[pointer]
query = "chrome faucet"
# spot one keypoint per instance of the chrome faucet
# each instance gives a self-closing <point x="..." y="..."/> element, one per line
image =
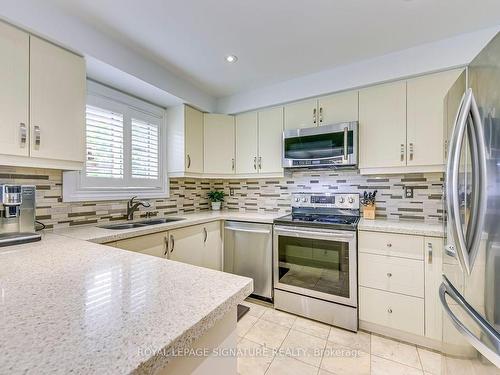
<point x="133" y="205"/>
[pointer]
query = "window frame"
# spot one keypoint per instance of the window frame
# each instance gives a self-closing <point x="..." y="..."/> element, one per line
<point x="77" y="187"/>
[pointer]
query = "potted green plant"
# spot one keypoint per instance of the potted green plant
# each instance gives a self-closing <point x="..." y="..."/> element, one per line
<point x="216" y="197"/>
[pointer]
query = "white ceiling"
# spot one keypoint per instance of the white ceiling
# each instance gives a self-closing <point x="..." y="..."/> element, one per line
<point x="275" y="40"/>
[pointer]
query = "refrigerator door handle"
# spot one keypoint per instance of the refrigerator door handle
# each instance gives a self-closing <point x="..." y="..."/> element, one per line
<point x="486" y="329"/>
<point x="467" y="114"/>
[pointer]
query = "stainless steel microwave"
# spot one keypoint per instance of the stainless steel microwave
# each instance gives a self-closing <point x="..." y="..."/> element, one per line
<point x="333" y="145"/>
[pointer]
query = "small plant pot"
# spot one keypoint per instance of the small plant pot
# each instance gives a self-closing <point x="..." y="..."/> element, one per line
<point x="369" y="212"/>
<point x="216" y="206"/>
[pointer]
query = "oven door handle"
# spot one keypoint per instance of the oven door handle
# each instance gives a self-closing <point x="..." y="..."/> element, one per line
<point x="306" y="233"/>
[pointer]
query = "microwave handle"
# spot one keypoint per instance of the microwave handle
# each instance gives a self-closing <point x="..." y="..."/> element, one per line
<point x="346" y="149"/>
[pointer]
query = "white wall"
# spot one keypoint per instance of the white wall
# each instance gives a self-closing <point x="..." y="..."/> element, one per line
<point x="443" y="54"/>
<point x="51" y="23"/>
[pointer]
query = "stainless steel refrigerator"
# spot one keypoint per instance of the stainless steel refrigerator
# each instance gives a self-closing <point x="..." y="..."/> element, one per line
<point x="470" y="289"/>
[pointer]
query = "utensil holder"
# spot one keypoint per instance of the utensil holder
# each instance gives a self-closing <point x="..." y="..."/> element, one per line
<point x="369" y="212"/>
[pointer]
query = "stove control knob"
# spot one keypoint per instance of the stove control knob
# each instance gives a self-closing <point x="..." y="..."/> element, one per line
<point x="297" y="199"/>
<point x="304" y="199"/>
<point x="351" y="200"/>
<point x="341" y="200"/>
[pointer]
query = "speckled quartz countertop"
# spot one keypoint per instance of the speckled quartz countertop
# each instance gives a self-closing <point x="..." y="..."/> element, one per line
<point x="402" y="227"/>
<point x="72" y="306"/>
<point x="101" y="235"/>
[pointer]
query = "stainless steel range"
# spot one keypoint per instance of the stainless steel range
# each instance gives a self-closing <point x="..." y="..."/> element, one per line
<point x="315" y="259"/>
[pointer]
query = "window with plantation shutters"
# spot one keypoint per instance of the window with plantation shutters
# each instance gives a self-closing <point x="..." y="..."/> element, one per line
<point x="125" y="149"/>
<point x="145" y="149"/>
<point x="104" y="136"/>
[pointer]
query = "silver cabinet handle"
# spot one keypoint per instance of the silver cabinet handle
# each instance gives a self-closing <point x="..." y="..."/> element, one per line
<point x="255" y="163"/>
<point x="429" y="251"/>
<point x="23" y="133"/>
<point x="165" y="253"/>
<point x="314" y="116"/>
<point x="172" y="242"/>
<point x="467" y="247"/>
<point x="402" y="152"/>
<point x="389" y="274"/>
<point x="487" y="331"/>
<point x="389" y="310"/>
<point x="205" y="233"/>
<point x="38" y="137"/>
<point x="411" y="151"/>
<point x="389" y="244"/>
<point x="320" y="115"/>
<point x="189" y="161"/>
<point x="260" y="162"/>
<point x="232" y="164"/>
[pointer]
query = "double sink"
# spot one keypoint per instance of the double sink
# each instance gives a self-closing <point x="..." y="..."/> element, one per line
<point x="141" y="224"/>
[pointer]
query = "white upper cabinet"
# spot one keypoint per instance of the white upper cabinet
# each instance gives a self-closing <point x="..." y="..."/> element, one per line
<point x="270" y="140"/>
<point x="246" y="143"/>
<point x="57" y="102"/>
<point x="382" y="123"/>
<point x="193" y="140"/>
<point x="302" y="114"/>
<point x="342" y="107"/>
<point x="219" y="139"/>
<point x="14" y="89"/>
<point x="427" y="116"/>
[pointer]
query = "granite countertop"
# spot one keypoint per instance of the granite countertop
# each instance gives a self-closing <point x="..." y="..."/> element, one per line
<point x="69" y="305"/>
<point x="100" y="235"/>
<point x="402" y="227"/>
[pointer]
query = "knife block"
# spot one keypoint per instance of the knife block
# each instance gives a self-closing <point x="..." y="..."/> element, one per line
<point x="369" y="212"/>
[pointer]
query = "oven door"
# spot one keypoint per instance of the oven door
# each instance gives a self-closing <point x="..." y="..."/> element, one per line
<point x="327" y="145"/>
<point x="317" y="263"/>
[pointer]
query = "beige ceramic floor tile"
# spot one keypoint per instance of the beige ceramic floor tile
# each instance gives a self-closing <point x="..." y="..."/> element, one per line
<point x="311" y="327"/>
<point x="341" y="360"/>
<point x="431" y="361"/>
<point x="255" y="309"/>
<point x="245" y="324"/>
<point x="253" y="359"/>
<point x="283" y="365"/>
<point x="279" y="317"/>
<point x="395" y="351"/>
<point x="359" y="340"/>
<point x="457" y="366"/>
<point x="267" y="333"/>
<point x="381" y="366"/>
<point x="303" y="347"/>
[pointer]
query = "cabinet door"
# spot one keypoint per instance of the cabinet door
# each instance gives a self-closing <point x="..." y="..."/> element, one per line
<point x="14" y="89"/>
<point x="270" y="140"/>
<point x="57" y="102"/>
<point x="337" y="108"/>
<point x="151" y="244"/>
<point x="185" y="245"/>
<point x="301" y="114"/>
<point x="426" y="117"/>
<point x="212" y="246"/>
<point x="453" y="99"/>
<point x="433" y="248"/>
<point x="218" y="133"/>
<point x="246" y="143"/>
<point x="382" y="122"/>
<point x="193" y="138"/>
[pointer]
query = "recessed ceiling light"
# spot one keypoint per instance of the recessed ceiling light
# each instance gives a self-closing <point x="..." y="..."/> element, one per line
<point x="231" y="58"/>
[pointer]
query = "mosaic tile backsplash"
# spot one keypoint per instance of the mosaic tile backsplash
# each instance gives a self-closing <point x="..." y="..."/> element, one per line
<point x="272" y="195"/>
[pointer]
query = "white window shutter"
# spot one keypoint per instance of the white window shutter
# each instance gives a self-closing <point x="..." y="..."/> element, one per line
<point x="145" y="150"/>
<point x="104" y="136"/>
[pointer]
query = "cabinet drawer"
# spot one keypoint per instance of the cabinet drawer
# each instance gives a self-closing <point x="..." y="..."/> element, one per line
<point x="400" y="245"/>
<point x="392" y="310"/>
<point x="392" y="274"/>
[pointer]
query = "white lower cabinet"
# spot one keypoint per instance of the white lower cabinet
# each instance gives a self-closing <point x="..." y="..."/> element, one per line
<point x="399" y="278"/>
<point x="199" y="245"/>
<point x="151" y="244"/>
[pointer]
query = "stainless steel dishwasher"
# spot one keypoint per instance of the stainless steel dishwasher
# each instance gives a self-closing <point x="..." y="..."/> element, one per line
<point x="248" y="251"/>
